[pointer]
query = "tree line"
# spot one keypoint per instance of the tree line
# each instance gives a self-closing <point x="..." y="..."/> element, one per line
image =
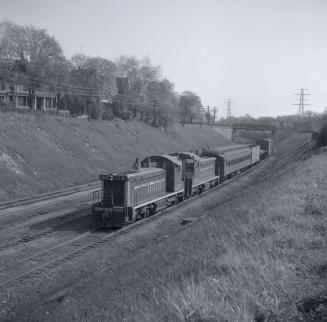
<point x="126" y="87"/>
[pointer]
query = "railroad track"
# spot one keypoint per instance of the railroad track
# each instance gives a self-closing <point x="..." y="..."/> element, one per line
<point x="48" y="195"/>
<point x="8" y="220"/>
<point x="53" y="256"/>
<point x="48" y="258"/>
<point x="56" y="224"/>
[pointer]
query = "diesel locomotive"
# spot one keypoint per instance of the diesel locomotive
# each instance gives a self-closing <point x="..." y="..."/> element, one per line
<point x="159" y="181"/>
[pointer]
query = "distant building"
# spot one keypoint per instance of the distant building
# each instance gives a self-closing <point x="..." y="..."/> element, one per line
<point x="43" y="98"/>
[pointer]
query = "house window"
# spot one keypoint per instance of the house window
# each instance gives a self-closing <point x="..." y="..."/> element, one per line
<point x="48" y="102"/>
<point x="22" y="101"/>
<point x="19" y="88"/>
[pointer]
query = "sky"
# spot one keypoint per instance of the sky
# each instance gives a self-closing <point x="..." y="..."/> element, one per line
<point x="256" y="52"/>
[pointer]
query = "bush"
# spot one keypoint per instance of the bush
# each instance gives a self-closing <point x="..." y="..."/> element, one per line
<point x="94" y="110"/>
<point x="322" y="139"/>
<point x="125" y="115"/>
<point x="108" y="114"/>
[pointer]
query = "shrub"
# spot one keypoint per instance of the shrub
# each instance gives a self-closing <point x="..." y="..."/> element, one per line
<point x="108" y="114"/>
<point x="322" y="139"/>
<point x="94" y="110"/>
<point x="125" y="115"/>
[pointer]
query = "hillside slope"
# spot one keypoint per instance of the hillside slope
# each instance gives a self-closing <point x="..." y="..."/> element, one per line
<point x="42" y="153"/>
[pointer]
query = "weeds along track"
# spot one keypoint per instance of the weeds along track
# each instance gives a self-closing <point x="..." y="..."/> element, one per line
<point x="34" y="264"/>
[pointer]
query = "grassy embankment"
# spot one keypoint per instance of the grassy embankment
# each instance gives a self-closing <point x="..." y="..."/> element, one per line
<point x="262" y="258"/>
<point x="42" y="153"/>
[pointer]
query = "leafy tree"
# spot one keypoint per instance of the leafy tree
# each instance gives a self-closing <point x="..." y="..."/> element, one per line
<point x="9" y="55"/>
<point x="190" y="106"/>
<point x="60" y="78"/>
<point x="135" y="76"/>
<point x="322" y="139"/>
<point x="35" y="52"/>
<point x="94" y="74"/>
<point x="96" y="78"/>
<point x="164" y="101"/>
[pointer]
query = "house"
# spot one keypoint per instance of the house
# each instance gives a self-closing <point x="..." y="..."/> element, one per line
<point x="43" y="98"/>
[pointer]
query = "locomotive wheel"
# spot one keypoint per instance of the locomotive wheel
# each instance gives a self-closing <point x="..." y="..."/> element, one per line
<point x="147" y="213"/>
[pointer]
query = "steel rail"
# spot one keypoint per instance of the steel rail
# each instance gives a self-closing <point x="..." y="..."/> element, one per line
<point x="97" y="239"/>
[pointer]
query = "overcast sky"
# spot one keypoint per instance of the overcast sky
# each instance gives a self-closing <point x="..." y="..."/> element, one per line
<point x="256" y="52"/>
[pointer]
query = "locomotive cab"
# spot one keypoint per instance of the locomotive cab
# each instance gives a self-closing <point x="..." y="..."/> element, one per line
<point x="198" y="172"/>
<point x="173" y="167"/>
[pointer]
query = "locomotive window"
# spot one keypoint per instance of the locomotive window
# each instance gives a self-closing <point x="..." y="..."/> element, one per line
<point x="190" y="166"/>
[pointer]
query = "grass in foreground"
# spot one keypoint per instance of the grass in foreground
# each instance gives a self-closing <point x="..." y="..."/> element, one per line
<point x="262" y="258"/>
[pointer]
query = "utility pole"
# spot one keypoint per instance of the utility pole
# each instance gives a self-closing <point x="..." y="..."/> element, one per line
<point x="153" y="112"/>
<point x="88" y="105"/>
<point x="301" y="103"/>
<point x="202" y="113"/>
<point x="229" y="110"/>
<point x="215" y="110"/>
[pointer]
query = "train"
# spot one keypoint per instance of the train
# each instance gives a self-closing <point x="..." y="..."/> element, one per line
<point x="159" y="181"/>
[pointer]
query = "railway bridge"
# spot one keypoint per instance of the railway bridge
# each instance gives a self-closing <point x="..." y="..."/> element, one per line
<point x="254" y="127"/>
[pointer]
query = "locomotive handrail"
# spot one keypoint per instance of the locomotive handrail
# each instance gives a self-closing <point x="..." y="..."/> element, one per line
<point x="96" y="197"/>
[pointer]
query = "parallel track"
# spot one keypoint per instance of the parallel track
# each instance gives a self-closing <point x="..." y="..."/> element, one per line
<point x="56" y="224"/>
<point x="33" y="264"/>
<point x="49" y="195"/>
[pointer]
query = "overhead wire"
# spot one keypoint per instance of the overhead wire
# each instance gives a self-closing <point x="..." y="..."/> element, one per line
<point x="70" y="89"/>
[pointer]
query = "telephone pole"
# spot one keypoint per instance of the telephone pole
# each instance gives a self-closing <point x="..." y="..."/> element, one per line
<point x="301" y="103"/>
<point x="202" y="113"/>
<point x="215" y="111"/>
<point x="153" y="112"/>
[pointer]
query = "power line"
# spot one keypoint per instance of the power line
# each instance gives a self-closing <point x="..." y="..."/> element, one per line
<point x="41" y="80"/>
<point x="70" y="89"/>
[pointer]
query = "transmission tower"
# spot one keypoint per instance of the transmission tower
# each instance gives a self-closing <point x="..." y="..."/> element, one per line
<point x="229" y="109"/>
<point x="301" y="103"/>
